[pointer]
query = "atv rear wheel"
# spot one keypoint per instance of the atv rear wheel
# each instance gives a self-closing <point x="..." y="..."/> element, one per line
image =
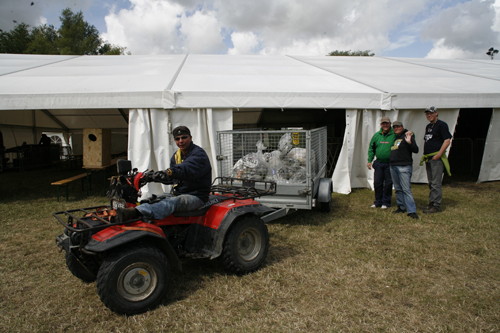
<point x="246" y="245"/>
<point x="77" y="268"/>
<point x="133" y="280"/>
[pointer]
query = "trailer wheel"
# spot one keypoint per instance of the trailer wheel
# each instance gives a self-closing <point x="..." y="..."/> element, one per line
<point x="76" y="268"/>
<point x="325" y="195"/>
<point x="133" y="280"/>
<point x="327" y="206"/>
<point x="246" y="245"/>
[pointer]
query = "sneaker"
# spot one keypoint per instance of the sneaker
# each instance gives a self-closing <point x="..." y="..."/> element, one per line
<point x="373" y="206"/>
<point x="431" y="210"/>
<point x="383" y="207"/>
<point x="399" y="210"/>
<point x="413" y="215"/>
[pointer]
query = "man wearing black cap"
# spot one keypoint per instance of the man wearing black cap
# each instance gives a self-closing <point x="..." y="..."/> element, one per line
<point x="437" y="139"/>
<point x="191" y="173"/>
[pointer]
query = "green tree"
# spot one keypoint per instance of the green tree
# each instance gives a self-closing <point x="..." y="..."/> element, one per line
<point x="43" y="40"/>
<point x="74" y="37"/>
<point x="108" y="49"/>
<point x="359" y="53"/>
<point x="16" y="40"/>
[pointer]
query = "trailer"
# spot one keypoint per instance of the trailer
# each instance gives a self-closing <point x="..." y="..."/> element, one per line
<point x="293" y="158"/>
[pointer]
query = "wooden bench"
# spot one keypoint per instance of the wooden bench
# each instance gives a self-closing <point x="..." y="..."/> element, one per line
<point x="66" y="182"/>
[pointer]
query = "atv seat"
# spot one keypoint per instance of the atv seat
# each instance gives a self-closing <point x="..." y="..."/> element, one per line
<point x="212" y="200"/>
<point x="198" y="212"/>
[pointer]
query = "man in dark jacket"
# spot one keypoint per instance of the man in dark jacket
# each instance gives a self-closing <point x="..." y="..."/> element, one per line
<point x="402" y="169"/>
<point x="437" y="139"/>
<point x="380" y="148"/>
<point x="191" y="173"/>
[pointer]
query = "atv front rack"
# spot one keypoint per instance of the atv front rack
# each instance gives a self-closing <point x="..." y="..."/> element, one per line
<point x="91" y="221"/>
<point x="241" y="189"/>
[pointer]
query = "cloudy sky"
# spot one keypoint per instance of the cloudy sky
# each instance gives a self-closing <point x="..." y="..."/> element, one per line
<point x="393" y="28"/>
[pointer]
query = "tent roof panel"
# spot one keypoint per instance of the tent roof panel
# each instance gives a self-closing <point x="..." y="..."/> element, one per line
<point x="259" y="74"/>
<point x="399" y="76"/>
<point x="247" y="81"/>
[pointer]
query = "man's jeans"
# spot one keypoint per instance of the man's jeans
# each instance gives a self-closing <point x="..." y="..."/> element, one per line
<point x="167" y="206"/>
<point x="435" y="171"/>
<point x="383" y="184"/>
<point x="401" y="177"/>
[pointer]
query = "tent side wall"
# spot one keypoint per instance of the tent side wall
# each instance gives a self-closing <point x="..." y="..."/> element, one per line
<point x="151" y="144"/>
<point x="490" y="166"/>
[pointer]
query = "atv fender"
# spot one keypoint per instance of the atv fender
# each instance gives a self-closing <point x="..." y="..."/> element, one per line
<point x="324" y="190"/>
<point x="228" y="220"/>
<point x="116" y="236"/>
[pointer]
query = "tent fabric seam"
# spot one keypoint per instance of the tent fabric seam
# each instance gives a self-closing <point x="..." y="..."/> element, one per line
<point x="441" y="69"/>
<point x="47" y="64"/>
<point x="172" y="82"/>
<point x="332" y="72"/>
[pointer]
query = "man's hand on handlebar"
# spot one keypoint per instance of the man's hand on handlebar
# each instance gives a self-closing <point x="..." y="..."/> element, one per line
<point x="157" y="177"/>
<point x="160" y="176"/>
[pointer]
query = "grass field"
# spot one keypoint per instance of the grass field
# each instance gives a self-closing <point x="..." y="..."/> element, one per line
<point x="353" y="270"/>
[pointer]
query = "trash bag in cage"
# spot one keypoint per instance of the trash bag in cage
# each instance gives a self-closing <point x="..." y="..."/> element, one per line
<point x="298" y="175"/>
<point x="298" y="157"/>
<point x="274" y="164"/>
<point x="251" y="166"/>
<point x="285" y="144"/>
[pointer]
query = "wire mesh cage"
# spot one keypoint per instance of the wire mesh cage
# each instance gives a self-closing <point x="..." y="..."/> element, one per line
<point x="291" y="156"/>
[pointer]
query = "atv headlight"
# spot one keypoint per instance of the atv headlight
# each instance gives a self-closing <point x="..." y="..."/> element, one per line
<point x="120" y="203"/>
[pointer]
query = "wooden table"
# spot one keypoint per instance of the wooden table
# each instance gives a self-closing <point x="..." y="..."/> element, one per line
<point x="99" y="168"/>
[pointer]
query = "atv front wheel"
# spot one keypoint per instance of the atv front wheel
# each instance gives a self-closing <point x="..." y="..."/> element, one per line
<point x="133" y="280"/>
<point x="246" y="246"/>
<point x="77" y="268"/>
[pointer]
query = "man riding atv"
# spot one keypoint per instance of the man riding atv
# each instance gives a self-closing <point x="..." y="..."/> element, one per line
<point x="191" y="175"/>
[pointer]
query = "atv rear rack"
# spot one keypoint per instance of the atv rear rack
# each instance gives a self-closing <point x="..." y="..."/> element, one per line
<point x="242" y="189"/>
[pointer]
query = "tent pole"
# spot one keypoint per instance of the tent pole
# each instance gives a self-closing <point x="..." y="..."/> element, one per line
<point x="33" y="121"/>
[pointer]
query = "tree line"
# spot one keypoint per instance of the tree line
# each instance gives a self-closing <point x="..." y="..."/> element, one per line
<point x="74" y="37"/>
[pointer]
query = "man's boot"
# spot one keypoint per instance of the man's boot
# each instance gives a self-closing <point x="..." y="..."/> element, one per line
<point x="125" y="214"/>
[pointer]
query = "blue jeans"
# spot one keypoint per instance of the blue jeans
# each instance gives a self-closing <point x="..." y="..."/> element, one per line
<point x="401" y="177"/>
<point x="167" y="206"/>
<point x="383" y="184"/>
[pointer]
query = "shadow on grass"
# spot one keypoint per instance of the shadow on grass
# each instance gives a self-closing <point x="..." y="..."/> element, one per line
<point x="36" y="184"/>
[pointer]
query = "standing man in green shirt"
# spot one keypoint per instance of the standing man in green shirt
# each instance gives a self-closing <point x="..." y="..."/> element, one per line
<point x="380" y="148"/>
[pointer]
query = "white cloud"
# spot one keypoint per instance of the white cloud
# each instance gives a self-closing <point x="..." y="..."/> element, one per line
<point x="149" y="27"/>
<point x="442" y="51"/>
<point x="202" y="33"/>
<point x="316" y="27"/>
<point x="244" y="43"/>
<point x="457" y="28"/>
<point x="463" y="31"/>
<point x="496" y="25"/>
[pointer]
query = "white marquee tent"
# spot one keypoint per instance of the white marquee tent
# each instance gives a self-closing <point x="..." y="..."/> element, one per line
<point x="150" y="94"/>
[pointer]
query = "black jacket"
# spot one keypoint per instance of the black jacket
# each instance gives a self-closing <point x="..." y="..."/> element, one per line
<point x="401" y="150"/>
<point x="194" y="175"/>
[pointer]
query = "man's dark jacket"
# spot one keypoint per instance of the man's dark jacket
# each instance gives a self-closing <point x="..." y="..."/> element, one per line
<point x="401" y="151"/>
<point x="194" y="175"/>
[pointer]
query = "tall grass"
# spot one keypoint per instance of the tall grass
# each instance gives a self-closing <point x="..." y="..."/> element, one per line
<point x="354" y="270"/>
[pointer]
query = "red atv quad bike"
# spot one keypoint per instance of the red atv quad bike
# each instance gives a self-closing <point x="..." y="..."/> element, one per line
<point x="132" y="261"/>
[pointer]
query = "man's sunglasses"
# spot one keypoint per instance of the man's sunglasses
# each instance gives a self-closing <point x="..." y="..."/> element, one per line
<point x="184" y="137"/>
<point x="396" y="126"/>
